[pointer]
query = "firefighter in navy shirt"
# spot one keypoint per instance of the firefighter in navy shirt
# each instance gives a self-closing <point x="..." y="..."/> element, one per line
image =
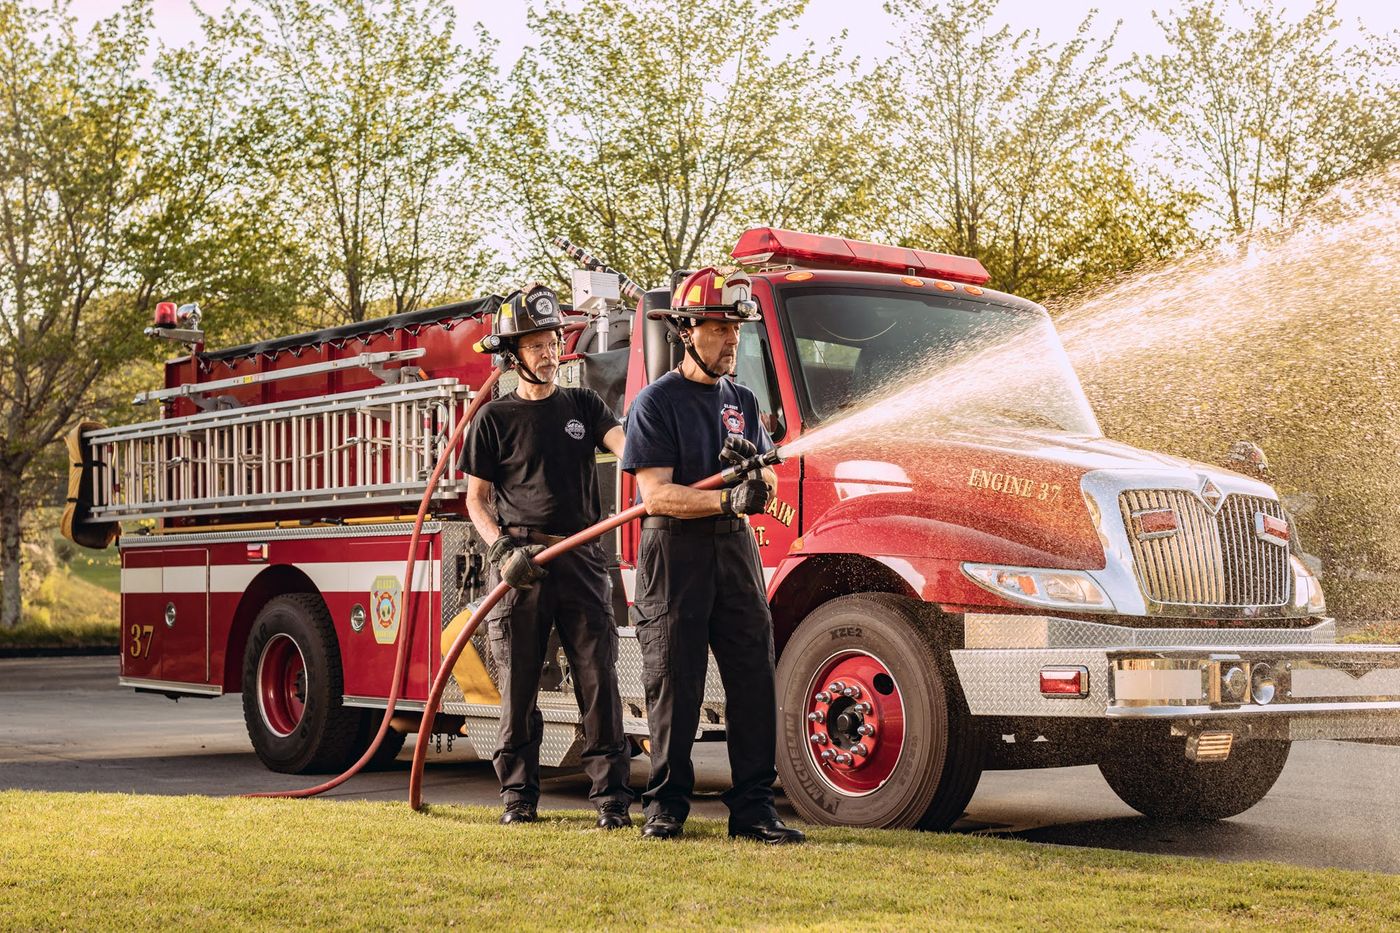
<point x="532" y="481"/>
<point x="699" y="580"/>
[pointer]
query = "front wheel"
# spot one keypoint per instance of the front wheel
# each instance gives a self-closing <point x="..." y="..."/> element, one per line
<point x="1152" y="775"/>
<point x="292" y="685"/>
<point x="874" y="729"/>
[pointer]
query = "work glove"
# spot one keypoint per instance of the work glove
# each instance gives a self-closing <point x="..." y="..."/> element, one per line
<point x="736" y="450"/>
<point x="515" y="562"/>
<point x="748" y="498"/>
<point x="519" y="568"/>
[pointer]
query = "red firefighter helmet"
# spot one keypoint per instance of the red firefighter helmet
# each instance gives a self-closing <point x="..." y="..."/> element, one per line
<point x="712" y="294"/>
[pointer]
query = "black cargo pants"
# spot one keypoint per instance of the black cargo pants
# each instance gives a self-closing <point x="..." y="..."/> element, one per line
<point x="574" y="599"/>
<point x="700" y="586"/>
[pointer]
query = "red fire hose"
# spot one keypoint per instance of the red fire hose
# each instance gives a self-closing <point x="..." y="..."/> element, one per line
<point x="420" y="748"/>
<point x="483" y="393"/>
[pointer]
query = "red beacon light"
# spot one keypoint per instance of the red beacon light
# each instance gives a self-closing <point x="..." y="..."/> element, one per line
<point x="770" y="246"/>
<point x="165" y="315"/>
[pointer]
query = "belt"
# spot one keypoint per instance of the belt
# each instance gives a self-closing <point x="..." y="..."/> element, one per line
<point x="695" y="526"/>
<point x="533" y="536"/>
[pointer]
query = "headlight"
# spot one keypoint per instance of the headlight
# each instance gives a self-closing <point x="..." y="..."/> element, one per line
<point x="1307" y="591"/>
<point x="1063" y="589"/>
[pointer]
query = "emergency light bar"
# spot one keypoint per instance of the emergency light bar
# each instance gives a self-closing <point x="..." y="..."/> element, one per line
<point x="769" y="246"/>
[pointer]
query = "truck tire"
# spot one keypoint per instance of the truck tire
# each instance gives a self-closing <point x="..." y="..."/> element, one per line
<point x="923" y="755"/>
<point x="292" y="686"/>
<point x="1155" y="778"/>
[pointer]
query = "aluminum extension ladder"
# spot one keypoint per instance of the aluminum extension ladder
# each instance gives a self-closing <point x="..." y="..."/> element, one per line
<point x="375" y="445"/>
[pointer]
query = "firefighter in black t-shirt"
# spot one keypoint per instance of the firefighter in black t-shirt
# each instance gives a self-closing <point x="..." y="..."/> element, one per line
<point x="699" y="578"/>
<point x="532" y="481"/>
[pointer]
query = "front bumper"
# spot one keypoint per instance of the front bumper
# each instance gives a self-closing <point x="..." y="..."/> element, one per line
<point x="1318" y="690"/>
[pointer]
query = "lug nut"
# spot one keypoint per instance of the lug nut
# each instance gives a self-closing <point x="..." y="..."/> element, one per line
<point x="863" y="708"/>
<point x="818" y="716"/>
<point x="822" y="697"/>
<point x="843" y="759"/>
<point x="865" y="728"/>
<point x="859" y="750"/>
<point x="836" y="686"/>
<point x="852" y="691"/>
<point x="818" y="738"/>
<point x="828" y="755"/>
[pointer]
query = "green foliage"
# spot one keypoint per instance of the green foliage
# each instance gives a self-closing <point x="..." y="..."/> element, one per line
<point x="653" y="132"/>
<point x="367" y="120"/>
<point x="999" y="146"/>
<point x="1268" y="114"/>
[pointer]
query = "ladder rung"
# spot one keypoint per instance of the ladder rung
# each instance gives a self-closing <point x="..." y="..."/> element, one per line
<point x="332" y="452"/>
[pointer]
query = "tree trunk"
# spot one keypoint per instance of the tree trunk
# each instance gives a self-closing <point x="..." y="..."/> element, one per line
<point x="9" y="550"/>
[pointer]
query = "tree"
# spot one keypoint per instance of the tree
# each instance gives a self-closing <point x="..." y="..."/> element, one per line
<point x="116" y="190"/>
<point x="654" y="131"/>
<point x="1001" y="147"/>
<point x="369" y="119"/>
<point x="1269" y="115"/>
<point x="71" y="121"/>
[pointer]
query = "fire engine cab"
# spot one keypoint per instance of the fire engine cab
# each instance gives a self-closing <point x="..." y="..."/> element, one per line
<point x="1006" y="588"/>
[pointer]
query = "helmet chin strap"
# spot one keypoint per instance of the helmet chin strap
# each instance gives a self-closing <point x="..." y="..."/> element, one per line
<point x="691" y="352"/>
<point x="524" y="371"/>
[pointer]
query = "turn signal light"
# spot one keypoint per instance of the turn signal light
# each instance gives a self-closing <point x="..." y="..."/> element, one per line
<point x="1064" y="682"/>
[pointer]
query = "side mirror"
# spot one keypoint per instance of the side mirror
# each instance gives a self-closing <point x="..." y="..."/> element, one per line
<point x="1248" y="458"/>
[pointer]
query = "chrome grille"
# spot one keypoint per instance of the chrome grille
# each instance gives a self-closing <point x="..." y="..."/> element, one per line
<point x="1212" y="559"/>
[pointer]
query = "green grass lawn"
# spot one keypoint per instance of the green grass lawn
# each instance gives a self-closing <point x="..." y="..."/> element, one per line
<point x="100" y="568"/>
<point x="67" y="611"/>
<point x="116" y="861"/>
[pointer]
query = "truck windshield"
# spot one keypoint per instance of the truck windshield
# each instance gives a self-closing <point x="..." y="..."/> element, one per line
<point x="983" y="363"/>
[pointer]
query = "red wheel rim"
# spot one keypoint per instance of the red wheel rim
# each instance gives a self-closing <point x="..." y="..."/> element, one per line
<point x="281" y="685"/>
<point x="855" y="722"/>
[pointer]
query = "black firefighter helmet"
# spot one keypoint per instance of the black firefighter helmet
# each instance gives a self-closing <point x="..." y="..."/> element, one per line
<point x="527" y="310"/>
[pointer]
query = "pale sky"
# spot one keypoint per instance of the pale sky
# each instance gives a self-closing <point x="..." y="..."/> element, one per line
<point x="870" y="28"/>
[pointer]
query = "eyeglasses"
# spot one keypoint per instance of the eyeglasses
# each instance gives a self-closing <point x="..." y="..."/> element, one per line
<point x="552" y="346"/>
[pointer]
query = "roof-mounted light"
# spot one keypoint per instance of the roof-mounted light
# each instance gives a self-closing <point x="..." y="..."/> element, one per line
<point x="770" y="246"/>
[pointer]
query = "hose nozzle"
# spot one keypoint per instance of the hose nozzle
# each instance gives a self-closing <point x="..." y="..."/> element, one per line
<point x="751" y="466"/>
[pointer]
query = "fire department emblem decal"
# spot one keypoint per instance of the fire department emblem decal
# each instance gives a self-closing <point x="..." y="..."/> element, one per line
<point x="575" y="429"/>
<point x="732" y="419"/>
<point x="386" y="608"/>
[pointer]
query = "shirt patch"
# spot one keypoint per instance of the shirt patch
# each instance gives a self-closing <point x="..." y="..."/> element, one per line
<point x="732" y="419"/>
<point x="575" y="429"/>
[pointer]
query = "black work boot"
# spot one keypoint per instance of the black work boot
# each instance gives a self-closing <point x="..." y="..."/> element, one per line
<point x="663" y="826"/>
<point x="519" y="811"/>
<point x="770" y="831"/>
<point x="613" y="815"/>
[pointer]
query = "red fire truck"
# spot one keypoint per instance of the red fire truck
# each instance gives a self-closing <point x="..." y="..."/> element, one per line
<point x="1011" y="590"/>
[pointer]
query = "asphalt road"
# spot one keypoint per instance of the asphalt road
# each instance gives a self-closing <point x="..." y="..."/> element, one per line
<point x="66" y="726"/>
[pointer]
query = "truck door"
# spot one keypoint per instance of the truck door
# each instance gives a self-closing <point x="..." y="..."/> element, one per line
<point x="758" y="369"/>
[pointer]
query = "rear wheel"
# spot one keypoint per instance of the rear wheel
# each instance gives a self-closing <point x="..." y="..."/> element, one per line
<point x="292" y="684"/>
<point x="1153" y="776"/>
<point x="874" y="729"/>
